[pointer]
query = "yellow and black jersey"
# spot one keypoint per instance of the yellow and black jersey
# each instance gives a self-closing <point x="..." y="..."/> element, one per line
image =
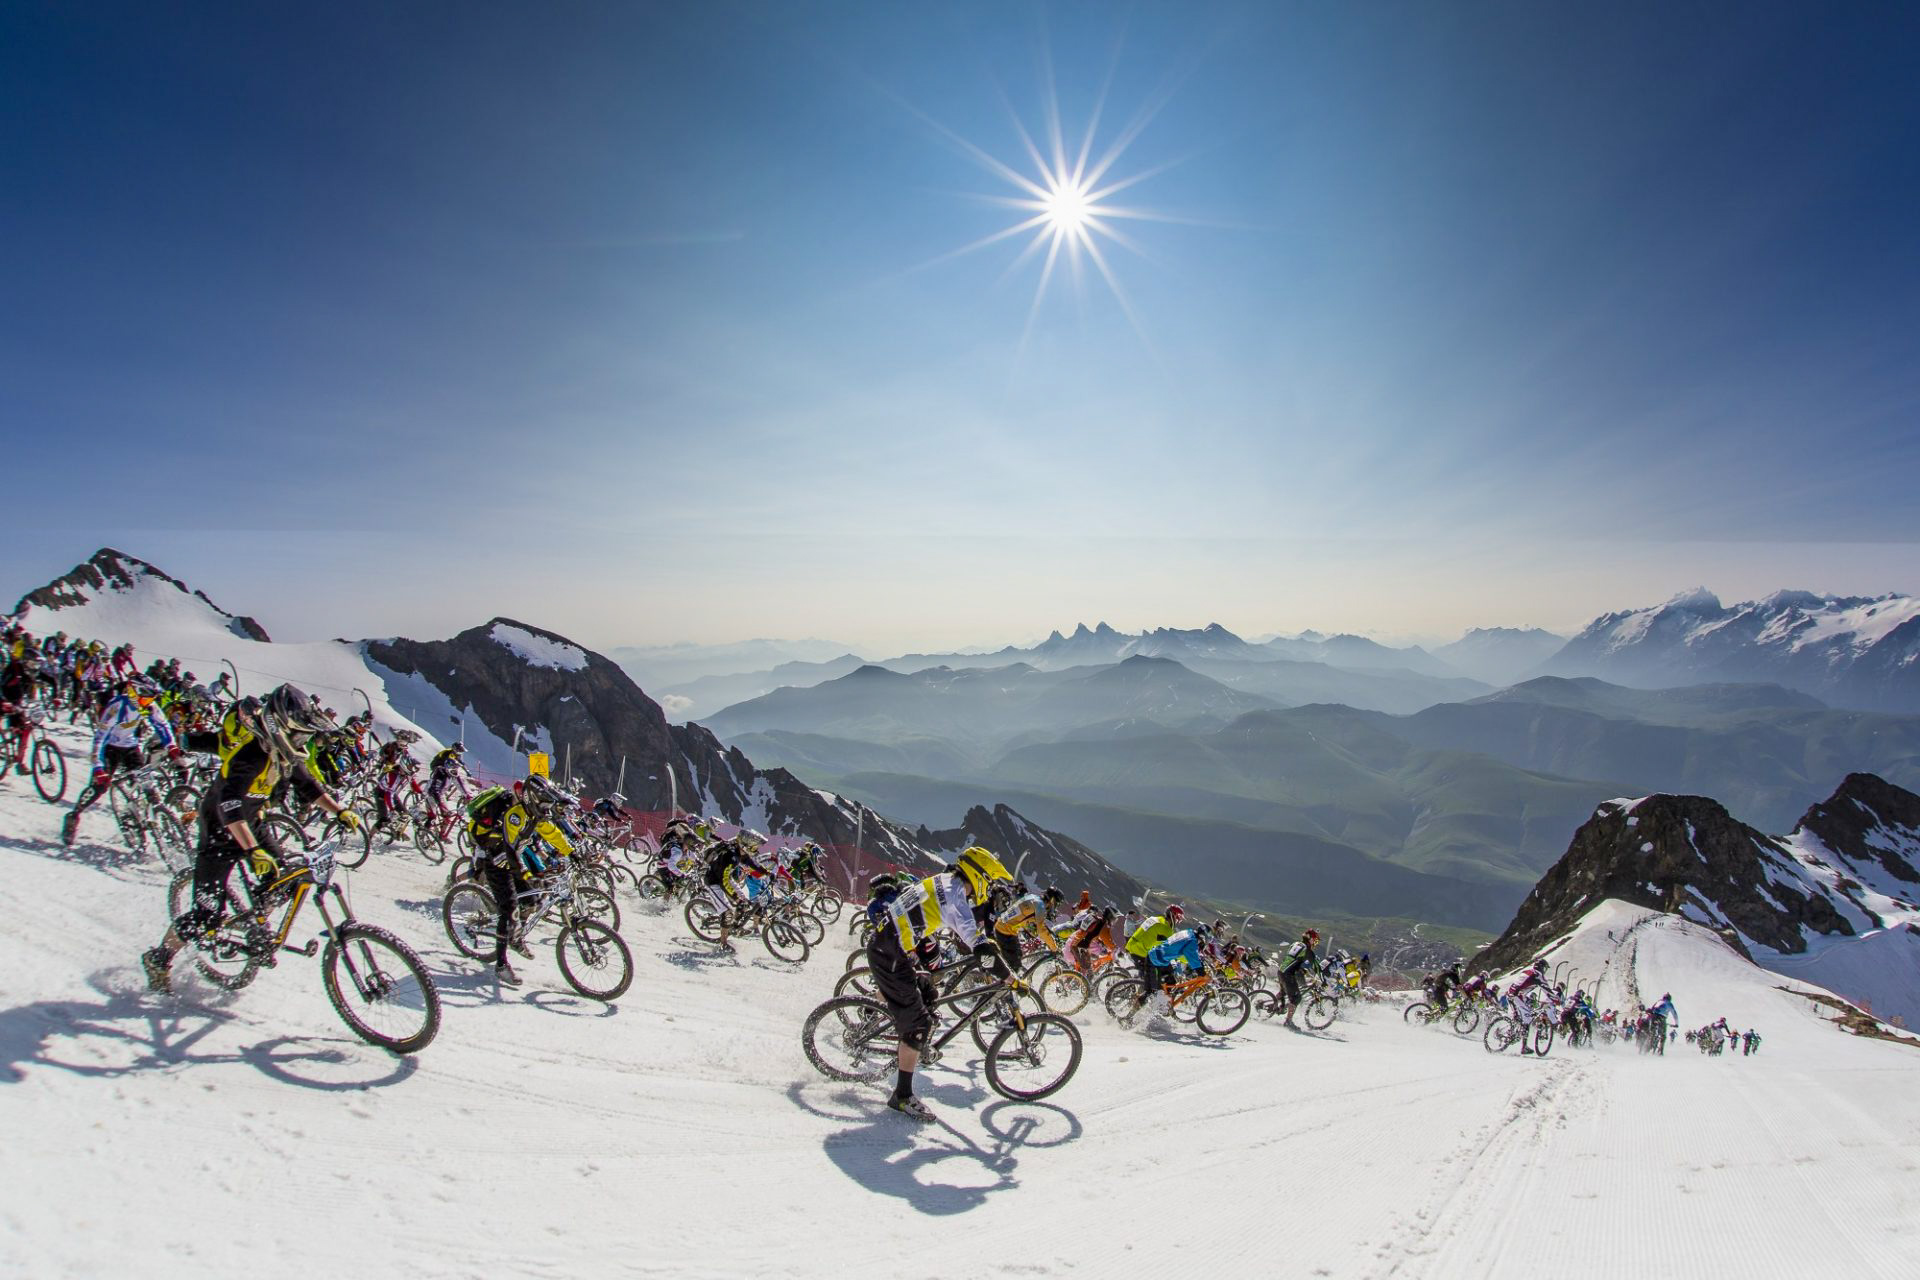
<point x="248" y="768"/>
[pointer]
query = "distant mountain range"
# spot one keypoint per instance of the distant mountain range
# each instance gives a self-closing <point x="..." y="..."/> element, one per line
<point x="1852" y="651"/>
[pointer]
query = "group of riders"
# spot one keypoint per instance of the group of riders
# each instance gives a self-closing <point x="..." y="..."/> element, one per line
<point x="287" y="746"/>
<point x="1533" y="995"/>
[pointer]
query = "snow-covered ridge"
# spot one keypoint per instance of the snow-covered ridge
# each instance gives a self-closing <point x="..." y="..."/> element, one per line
<point x="539" y="650"/>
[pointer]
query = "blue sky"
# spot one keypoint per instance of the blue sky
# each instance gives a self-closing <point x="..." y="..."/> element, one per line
<point x="636" y="323"/>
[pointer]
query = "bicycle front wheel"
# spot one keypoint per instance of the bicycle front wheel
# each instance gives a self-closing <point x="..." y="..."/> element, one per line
<point x="1500" y="1034"/>
<point x="703" y="919"/>
<point x="594" y="961"/>
<point x="471" y="919"/>
<point x="1466" y="1020"/>
<point x="1065" y="992"/>
<point x="1031" y="1060"/>
<point x="1223" y="1011"/>
<point x="784" y="941"/>
<point x="809" y="926"/>
<point x="49" y="765"/>
<point x="850" y="1038"/>
<point x="1542" y="1037"/>
<point x="388" y="997"/>
<point x="1320" y="1013"/>
<point x="827" y="905"/>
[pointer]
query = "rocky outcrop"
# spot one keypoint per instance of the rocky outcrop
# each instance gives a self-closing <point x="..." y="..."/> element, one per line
<point x="1684" y="854"/>
<point x="110" y="570"/>
<point x="1040" y="857"/>
<point x="1869" y="822"/>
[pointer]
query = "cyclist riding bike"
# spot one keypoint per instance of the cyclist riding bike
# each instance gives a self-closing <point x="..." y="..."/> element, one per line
<point x="1295" y="960"/>
<point x="1521" y="995"/>
<point x="728" y="864"/>
<point x="1027" y="913"/>
<point x="496" y="819"/>
<point x="259" y="744"/>
<point x="1151" y="932"/>
<point x="448" y="768"/>
<point x="908" y="914"/>
<point x="117" y="746"/>
<point x="1181" y="949"/>
<point x="17" y="686"/>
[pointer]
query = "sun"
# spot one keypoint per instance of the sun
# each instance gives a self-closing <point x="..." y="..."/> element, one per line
<point x="1066" y="206"/>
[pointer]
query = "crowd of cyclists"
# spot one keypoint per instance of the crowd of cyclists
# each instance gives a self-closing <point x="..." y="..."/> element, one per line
<point x="968" y="944"/>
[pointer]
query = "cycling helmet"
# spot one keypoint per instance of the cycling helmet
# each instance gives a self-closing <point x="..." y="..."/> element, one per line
<point x="618" y="799"/>
<point x="1176" y="913"/>
<point x="1311" y="935"/>
<point x="288" y="722"/>
<point x="979" y="869"/>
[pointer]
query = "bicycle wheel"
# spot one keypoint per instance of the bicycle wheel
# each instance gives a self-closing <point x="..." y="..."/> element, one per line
<point x="183" y="800"/>
<point x="49" y="765"/>
<point x="354" y="846"/>
<point x="856" y="958"/>
<point x="595" y="903"/>
<point x="1542" y="1037"/>
<point x="389" y="998"/>
<point x="1415" y="1014"/>
<point x="703" y="918"/>
<point x="809" y="926"/>
<point x="850" y="1038"/>
<point x="1466" y="1020"/>
<point x="471" y="918"/>
<point x="227" y="955"/>
<point x="593" y="959"/>
<point x="827" y="905"/>
<point x="428" y="840"/>
<point x="1029" y="1061"/>
<point x="1223" y="1011"/>
<point x="1500" y="1034"/>
<point x="784" y="941"/>
<point x="652" y="888"/>
<point x="176" y="846"/>
<point x="1065" y="992"/>
<point x="1123" y="1001"/>
<point x="996" y="1014"/>
<point x="1320" y="1013"/>
<point x="1186" y="1010"/>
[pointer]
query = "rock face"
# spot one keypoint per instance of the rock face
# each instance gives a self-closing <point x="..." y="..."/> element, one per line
<point x="1853" y="651"/>
<point x="108" y="569"/>
<point x="1040" y="857"/>
<point x="1684" y="854"/>
<point x="1871" y="828"/>
<point x="525" y="684"/>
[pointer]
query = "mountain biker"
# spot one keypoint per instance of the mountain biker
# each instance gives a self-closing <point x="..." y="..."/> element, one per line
<point x="448" y="768"/>
<point x="16" y="690"/>
<point x="499" y="863"/>
<point x="1013" y="916"/>
<point x="116" y="744"/>
<point x="1532" y="981"/>
<point x="1079" y="948"/>
<point x="1181" y="948"/>
<point x="258" y="743"/>
<point x="1445" y="983"/>
<point x="907" y="913"/>
<point x="804" y="866"/>
<point x="1295" y="960"/>
<point x="1151" y="932"/>
<point x="727" y="861"/>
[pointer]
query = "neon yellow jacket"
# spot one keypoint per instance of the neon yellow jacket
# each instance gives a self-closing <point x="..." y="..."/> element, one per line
<point x="1152" y="932"/>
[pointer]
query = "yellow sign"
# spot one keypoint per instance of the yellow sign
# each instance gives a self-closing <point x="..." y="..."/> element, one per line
<point x="539" y="763"/>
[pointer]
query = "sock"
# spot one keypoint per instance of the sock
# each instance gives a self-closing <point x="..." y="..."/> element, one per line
<point x="903" y="1087"/>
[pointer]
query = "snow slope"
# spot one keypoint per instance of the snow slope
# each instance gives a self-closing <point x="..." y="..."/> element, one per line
<point x="163" y="620"/>
<point x="681" y="1132"/>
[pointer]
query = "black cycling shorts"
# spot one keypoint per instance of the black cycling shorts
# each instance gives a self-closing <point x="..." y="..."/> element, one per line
<point x="907" y="993"/>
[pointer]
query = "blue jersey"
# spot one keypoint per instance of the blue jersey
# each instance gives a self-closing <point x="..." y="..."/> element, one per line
<point x="1181" y="948"/>
<point x="119" y="726"/>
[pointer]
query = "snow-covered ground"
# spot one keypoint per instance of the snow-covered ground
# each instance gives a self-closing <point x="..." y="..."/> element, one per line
<point x="681" y="1132"/>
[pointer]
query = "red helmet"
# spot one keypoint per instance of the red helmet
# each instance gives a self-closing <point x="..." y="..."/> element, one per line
<point x="1311" y="935"/>
<point x="1176" y="912"/>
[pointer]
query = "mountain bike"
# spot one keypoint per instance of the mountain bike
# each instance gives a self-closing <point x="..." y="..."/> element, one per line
<point x="774" y="920"/>
<point x="42" y="758"/>
<point x="1505" y="1030"/>
<point x="592" y="957"/>
<point x="153" y="807"/>
<point x="1215" y="1007"/>
<point x="387" y="998"/>
<point x="1029" y="1056"/>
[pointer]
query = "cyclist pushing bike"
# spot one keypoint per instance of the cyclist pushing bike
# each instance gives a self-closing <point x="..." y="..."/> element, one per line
<point x="259" y="744"/>
<point x="906" y="915"/>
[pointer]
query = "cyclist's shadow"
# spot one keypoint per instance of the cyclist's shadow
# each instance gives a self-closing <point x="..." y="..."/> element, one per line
<point x="129" y="1032"/>
<point x="891" y="1155"/>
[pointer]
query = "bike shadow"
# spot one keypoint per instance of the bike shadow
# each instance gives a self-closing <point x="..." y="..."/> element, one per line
<point x="130" y="1031"/>
<point x="700" y="961"/>
<point x="1167" y="1033"/>
<point x="477" y="989"/>
<point x="933" y="1168"/>
<point x="87" y="853"/>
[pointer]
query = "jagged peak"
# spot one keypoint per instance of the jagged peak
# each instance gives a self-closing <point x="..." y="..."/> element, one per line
<point x="109" y="569"/>
<point x="1694" y="600"/>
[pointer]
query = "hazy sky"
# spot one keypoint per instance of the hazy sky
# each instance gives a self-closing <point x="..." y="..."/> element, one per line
<point x="640" y="324"/>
